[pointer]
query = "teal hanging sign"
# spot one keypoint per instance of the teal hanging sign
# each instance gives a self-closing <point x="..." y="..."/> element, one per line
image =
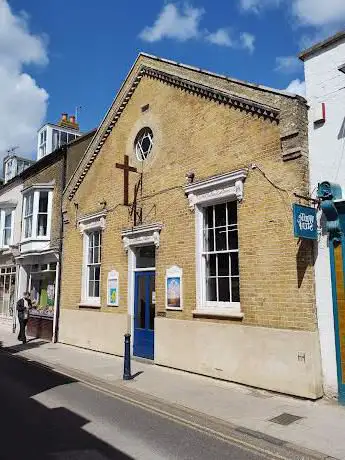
<point x="304" y="222"/>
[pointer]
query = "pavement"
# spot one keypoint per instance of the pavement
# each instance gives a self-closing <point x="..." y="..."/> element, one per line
<point x="319" y="425"/>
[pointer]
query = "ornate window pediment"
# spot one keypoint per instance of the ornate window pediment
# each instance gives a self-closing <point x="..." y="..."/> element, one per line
<point x="142" y="235"/>
<point x="92" y="222"/>
<point x="216" y="188"/>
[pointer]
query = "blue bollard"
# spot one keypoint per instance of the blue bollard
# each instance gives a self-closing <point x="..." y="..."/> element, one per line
<point x="127" y="358"/>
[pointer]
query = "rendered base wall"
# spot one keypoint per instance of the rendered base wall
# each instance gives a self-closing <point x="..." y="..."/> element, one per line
<point x="95" y="330"/>
<point x="286" y="361"/>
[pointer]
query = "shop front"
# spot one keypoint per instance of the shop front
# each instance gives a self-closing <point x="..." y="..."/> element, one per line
<point x="38" y="276"/>
<point x="7" y="293"/>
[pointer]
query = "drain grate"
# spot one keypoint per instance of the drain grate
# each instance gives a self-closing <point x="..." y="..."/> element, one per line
<point x="285" y="419"/>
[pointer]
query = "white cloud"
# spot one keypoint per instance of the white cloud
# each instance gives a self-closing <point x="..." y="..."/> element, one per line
<point x="184" y="24"/>
<point x="307" y="12"/>
<point x="247" y="40"/>
<point x="288" y="64"/>
<point x="172" y="23"/>
<point x="22" y="103"/>
<point x="319" y="12"/>
<point x="257" y="6"/>
<point x="222" y="37"/>
<point x="297" y="87"/>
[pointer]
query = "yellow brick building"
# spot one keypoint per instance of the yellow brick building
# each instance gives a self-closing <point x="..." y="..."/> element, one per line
<point x="201" y="266"/>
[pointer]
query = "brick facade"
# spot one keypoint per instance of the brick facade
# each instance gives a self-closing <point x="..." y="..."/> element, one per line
<point x="195" y="133"/>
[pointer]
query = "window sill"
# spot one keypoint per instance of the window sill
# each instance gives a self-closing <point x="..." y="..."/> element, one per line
<point x="215" y="312"/>
<point x="35" y="238"/>
<point x="96" y="306"/>
<point x="174" y="309"/>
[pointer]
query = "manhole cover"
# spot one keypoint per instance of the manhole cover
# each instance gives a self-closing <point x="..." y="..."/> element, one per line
<point x="285" y="419"/>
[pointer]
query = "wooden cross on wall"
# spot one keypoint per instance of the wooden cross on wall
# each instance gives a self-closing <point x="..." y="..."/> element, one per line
<point x="126" y="169"/>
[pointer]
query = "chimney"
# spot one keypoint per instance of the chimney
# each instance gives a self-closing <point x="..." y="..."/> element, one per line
<point x="68" y="122"/>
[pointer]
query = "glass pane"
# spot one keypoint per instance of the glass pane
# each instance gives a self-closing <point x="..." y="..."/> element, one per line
<point x="209" y="241"/>
<point x="96" y="238"/>
<point x="235" y="289"/>
<point x="223" y="264"/>
<point x="90" y="255"/>
<point x="96" y="255"/>
<point x="152" y="303"/>
<point x="140" y="319"/>
<point x="211" y="261"/>
<point x="63" y="138"/>
<point x="211" y="292"/>
<point x="52" y="266"/>
<point x="7" y="236"/>
<point x="220" y="215"/>
<point x="234" y="263"/>
<point x="220" y="239"/>
<point x="28" y="204"/>
<point x="233" y="239"/>
<point x="209" y="217"/>
<point x="42" y="224"/>
<point x="223" y="289"/>
<point x="28" y="227"/>
<point x="97" y="272"/>
<point x="8" y="220"/>
<point x="91" y="273"/>
<point x="71" y="137"/>
<point x="43" y="203"/>
<point x="145" y="257"/>
<point x="91" y="288"/>
<point x="55" y="139"/>
<point x="97" y="284"/>
<point x="232" y="213"/>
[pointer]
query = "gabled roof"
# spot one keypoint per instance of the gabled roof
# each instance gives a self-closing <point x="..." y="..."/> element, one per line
<point x="206" y="84"/>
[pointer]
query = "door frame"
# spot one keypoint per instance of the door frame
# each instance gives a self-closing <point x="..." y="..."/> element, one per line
<point x="131" y="286"/>
<point x="337" y="250"/>
<point x="146" y="274"/>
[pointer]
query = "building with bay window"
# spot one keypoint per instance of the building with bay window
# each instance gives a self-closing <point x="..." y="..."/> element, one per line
<point x="178" y="229"/>
<point x="40" y="243"/>
<point x="10" y="232"/>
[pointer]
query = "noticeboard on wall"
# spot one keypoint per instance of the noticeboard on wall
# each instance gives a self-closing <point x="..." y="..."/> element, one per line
<point x="113" y="289"/>
<point x="173" y="288"/>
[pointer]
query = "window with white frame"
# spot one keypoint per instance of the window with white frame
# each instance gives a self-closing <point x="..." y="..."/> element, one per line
<point x="93" y="266"/>
<point x="43" y="143"/>
<point x="61" y="138"/>
<point x="28" y="214"/>
<point x="220" y="255"/>
<point x="7" y="230"/>
<point x="6" y="227"/>
<point x="37" y="214"/>
<point x="42" y="215"/>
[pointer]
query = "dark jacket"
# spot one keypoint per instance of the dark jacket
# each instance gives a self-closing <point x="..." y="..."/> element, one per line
<point x="21" y="308"/>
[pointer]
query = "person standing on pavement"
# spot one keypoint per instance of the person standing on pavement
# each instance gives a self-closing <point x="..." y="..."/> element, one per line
<point x="23" y="309"/>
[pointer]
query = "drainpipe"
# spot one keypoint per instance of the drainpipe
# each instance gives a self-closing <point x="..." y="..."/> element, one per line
<point x="59" y="265"/>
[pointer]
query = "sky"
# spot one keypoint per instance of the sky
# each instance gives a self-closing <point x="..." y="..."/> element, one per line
<point x="57" y="56"/>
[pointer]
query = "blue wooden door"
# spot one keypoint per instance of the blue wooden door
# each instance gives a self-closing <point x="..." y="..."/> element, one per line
<point x="144" y="314"/>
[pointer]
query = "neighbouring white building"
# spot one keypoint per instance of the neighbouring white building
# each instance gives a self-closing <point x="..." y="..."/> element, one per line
<point x="10" y="231"/>
<point x="30" y="223"/>
<point x="324" y="65"/>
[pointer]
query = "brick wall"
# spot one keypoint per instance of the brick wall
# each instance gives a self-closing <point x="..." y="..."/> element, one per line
<point x="194" y="133"/>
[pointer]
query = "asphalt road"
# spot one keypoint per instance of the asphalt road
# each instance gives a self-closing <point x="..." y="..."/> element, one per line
<point x="45" y="415"/>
